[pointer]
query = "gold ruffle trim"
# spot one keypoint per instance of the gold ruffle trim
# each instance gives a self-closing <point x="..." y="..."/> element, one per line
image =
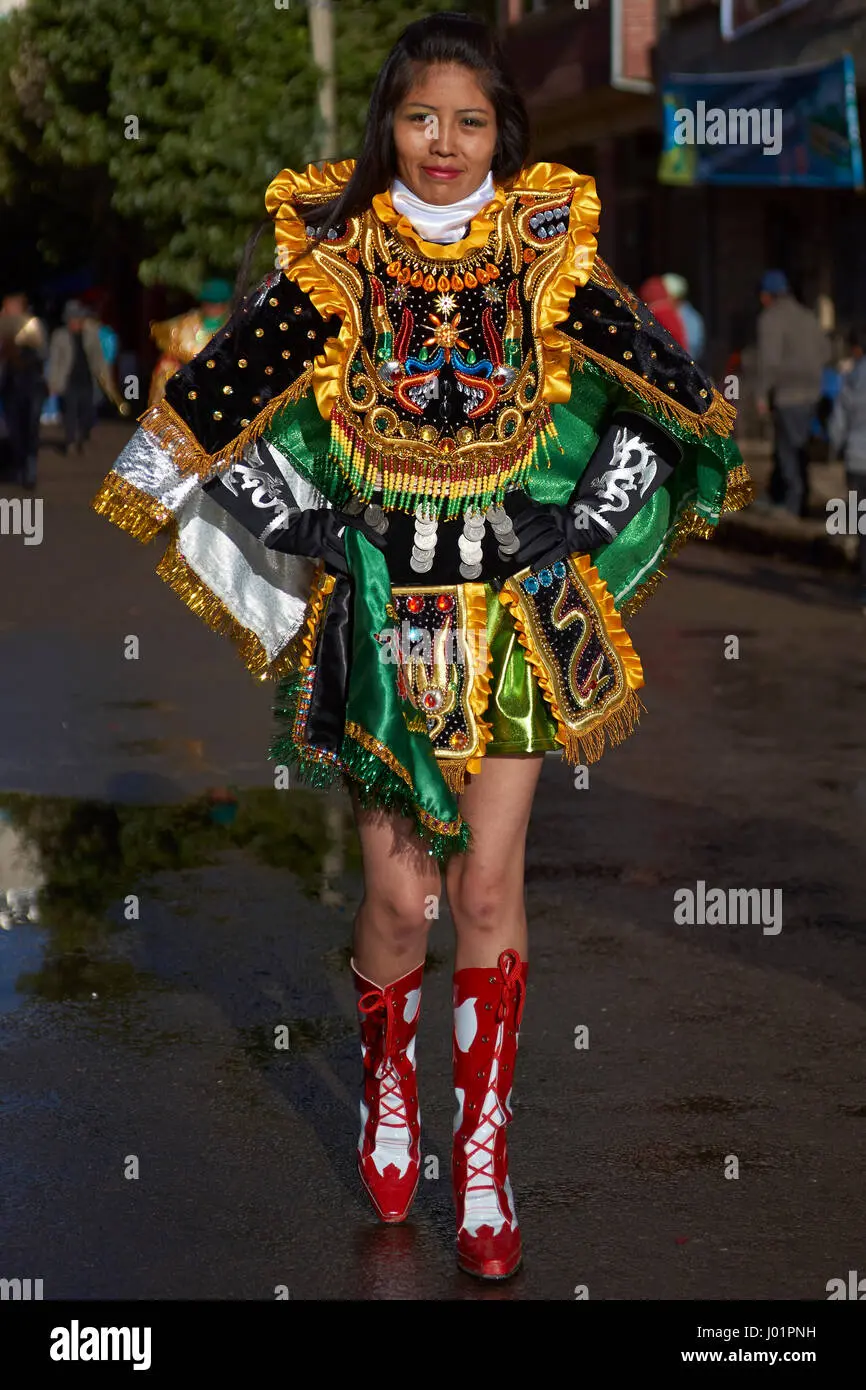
<point x="179" y="575"/>
<point x="718" y="419"/>
<point x="692" y="526"/>
<point x="303" y="263"/>
<point x="134" y="511"/>
<point x="323" y="583"/>
<point x="187" y="454"/>
<point x="614" y="725"/>
<point x="454" y="769"/>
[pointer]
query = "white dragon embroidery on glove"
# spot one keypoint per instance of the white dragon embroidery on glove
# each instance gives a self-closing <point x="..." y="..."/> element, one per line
<point x="615" y="485"/>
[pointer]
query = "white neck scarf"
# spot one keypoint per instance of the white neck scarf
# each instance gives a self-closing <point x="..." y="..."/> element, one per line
<point x="444" y="225"/>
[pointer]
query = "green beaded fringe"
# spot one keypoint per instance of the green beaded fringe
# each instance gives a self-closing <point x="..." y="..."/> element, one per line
<point x="347" y="470"/>
<point x="377" y="786"/>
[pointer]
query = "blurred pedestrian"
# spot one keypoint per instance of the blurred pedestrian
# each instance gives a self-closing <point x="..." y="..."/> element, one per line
<point x="692" y="321"/>
<point x="23" y="346"/>
<point x="181" y="339"/>
<point x="793" y="350"/>
<point x="76" y="364"/>
<point x="847" y="430"/>
<point x="664" y="307"/>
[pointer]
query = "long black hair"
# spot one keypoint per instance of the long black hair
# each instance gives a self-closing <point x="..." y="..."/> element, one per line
<point x="445" y="37"/>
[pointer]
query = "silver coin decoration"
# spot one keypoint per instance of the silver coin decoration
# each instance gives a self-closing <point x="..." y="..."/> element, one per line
<point x="424" y="539"/>
<point x="503" y="530"/>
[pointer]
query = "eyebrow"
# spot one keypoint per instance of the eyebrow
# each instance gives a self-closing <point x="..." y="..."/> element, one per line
<point x="462" y="111"/>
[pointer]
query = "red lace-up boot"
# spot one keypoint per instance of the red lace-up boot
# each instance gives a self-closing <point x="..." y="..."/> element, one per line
<point x="488" y="1008"/>
<point x="389" y="1159"/>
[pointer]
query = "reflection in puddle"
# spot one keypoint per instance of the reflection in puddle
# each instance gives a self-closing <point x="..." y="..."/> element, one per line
<point x="65" y="863"/>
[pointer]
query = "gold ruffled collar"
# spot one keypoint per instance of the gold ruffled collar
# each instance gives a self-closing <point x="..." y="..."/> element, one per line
<point x="479" y="228"/>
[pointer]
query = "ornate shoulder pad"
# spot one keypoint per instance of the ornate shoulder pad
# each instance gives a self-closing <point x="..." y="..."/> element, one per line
<point x="610" y="327"/>
<point x="260" y="361"/>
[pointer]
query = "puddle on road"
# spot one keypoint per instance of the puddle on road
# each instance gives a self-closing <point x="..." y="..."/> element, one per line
<point x="64" y="864"/>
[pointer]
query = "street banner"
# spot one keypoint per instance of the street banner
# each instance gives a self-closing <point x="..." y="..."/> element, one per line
<point x="787" y="126"/>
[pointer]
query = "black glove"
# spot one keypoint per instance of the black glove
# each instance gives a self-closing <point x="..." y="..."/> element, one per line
<point x="318" y="533"/>
<point x="632" y="461"/>
<point x="256" y="494"/>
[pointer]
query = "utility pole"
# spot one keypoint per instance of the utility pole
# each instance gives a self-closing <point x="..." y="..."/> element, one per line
<point x="321" y="19"/>
<point x="322" y="42"/>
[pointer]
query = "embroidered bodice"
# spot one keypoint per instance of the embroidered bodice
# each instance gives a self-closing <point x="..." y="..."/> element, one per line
<point x="437" y="386"/>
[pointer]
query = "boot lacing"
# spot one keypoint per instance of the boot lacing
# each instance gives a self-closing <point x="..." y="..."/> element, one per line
<point x="480" y="1153"/>
<point x="392" y="1107"/>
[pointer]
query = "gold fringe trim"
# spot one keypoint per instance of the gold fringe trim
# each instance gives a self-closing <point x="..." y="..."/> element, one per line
<point x="739" y="493"/>
<point x="718" y="419"/>
<point x="613" y="726"/>
<point x="187" y="454"/>
<point x="454" y="769"/>
<point x="134" y="511"/>
<point x="178" y="574"/>
<point x="740" y="490"/>
<point x="323" y="583"/>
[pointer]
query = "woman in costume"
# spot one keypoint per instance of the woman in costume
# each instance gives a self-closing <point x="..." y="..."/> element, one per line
<point x="420" y="476"/>
<point x="182" y="338"/>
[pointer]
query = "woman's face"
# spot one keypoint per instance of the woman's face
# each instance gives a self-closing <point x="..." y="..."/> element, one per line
<point x="444" y="134"/>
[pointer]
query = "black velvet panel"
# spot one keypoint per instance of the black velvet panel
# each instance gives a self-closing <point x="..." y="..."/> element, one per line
<point x="326" y="719"/>
<point x="608" y="318"/>
<point x="216" y="396"/>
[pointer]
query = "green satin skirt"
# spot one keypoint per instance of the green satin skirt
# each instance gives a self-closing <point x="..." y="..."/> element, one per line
<point x="516" y="711"/>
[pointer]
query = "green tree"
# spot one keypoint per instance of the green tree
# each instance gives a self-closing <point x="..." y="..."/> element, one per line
<point x="157" y="127"/>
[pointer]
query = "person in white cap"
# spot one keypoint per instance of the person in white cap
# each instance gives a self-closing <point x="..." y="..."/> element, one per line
<point x="693" y="322"/>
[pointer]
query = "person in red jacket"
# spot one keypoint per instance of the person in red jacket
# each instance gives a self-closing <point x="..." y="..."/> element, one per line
<point x="657" y="299"/>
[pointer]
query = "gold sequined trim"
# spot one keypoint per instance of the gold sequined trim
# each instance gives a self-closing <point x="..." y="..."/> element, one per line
<point x="366" y="740"/>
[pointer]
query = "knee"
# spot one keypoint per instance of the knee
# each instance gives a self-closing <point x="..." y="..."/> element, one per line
<point x="480" y="899"/>
<point x="400" y="913"/>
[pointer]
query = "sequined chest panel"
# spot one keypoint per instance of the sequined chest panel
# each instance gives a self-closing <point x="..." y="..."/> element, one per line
<point x="441" y="393"/>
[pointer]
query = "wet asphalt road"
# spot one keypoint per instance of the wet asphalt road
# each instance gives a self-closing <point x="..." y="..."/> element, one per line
<point x="153" y="1037"/>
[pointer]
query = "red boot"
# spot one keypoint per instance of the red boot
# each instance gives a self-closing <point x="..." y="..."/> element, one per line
<point x="488" y="1007"/>
<point x="389" y="1158"/>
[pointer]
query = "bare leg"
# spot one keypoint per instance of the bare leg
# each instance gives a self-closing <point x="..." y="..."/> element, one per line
<point x="485" y="885"/>
<point x="399" y="876"/>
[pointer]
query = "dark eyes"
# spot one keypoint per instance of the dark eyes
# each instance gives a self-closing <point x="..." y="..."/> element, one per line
<point x="467" y="120"/>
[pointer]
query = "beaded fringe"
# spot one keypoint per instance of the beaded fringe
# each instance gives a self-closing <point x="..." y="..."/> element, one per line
<point x="405" y="477"/>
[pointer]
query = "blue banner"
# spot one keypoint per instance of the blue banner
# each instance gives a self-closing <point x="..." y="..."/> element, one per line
<point x="787" y="126"/>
